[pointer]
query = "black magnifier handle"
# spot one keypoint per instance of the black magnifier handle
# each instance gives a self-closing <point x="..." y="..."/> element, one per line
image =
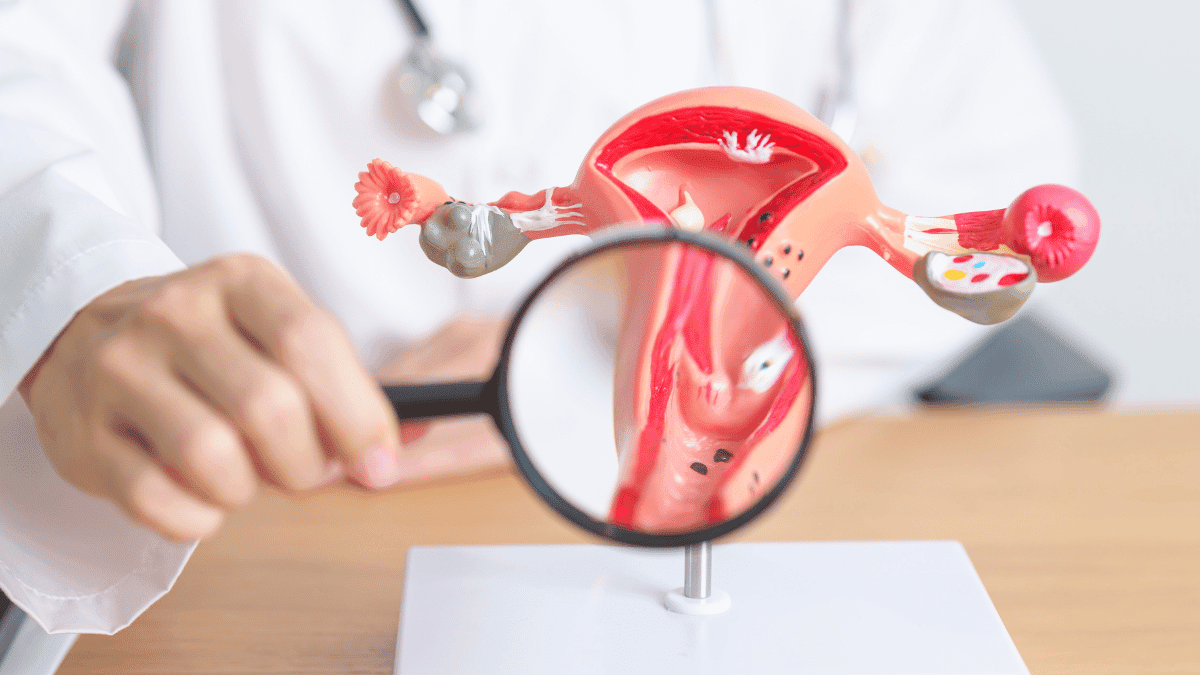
<point x="419" y="26"/>
<point x="418" y="401"/>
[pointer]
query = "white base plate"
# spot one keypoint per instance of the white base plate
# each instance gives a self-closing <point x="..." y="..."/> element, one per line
<point x="818" y="608"/>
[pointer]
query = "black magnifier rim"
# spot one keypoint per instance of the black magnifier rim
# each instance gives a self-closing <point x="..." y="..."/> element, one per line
<point x="641" y="235"/>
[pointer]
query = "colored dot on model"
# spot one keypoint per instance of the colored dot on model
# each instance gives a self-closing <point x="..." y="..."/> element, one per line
<point x="979" y="264"/>
<point x="954" y="275"/>
<point x="1010" y="279"/>
<point x="979" y="277"/>
<point x="962" y="258"/>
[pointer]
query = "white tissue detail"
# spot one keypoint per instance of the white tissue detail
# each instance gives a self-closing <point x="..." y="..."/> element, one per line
<point x="687" y="215"/>
<point x="547" y="216"/>
<point x="761" y="370"/>
<point x="757" y="151"/>
<point x="480" y="229"/>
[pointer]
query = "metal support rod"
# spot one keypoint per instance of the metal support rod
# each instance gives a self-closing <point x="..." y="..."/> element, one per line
<point x="697" y="570"/>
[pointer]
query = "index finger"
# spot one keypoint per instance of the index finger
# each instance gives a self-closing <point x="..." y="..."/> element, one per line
<point x="310" y="344"/>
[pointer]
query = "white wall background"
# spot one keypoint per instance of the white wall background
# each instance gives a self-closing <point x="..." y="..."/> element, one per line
<point x="1130" y="71"/>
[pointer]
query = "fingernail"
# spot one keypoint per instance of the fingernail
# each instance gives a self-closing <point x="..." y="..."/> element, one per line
<point x="413" y="431"/>
<point x="378" y="468"/>
<point x="333" y="471"/>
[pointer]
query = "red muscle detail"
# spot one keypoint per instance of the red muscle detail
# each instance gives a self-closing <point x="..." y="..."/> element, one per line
<point x="980" y="230"/>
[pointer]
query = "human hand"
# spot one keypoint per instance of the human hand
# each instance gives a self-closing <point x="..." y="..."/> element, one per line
<point x="465" y="349"/>
<point x="174" y="395"/>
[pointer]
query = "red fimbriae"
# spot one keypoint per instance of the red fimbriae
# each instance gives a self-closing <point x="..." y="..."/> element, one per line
<point x="387" y="198"/>
<point x="980" y="230"/>
<point x="1056" y="227"/>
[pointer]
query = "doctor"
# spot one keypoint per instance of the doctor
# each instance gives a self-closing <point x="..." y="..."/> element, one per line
<point x="187" y="309"/>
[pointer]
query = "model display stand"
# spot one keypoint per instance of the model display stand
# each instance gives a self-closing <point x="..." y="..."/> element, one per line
<point x="815" y="608"/>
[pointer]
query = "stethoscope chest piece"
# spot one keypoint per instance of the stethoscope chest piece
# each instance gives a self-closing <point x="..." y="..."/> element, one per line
<point x="437" y="89"/>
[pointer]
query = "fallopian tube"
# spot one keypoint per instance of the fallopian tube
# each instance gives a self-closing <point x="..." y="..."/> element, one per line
<point x="765" y="173"/>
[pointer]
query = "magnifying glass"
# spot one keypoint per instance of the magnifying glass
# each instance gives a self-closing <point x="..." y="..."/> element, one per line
<point x="656" y="389"/>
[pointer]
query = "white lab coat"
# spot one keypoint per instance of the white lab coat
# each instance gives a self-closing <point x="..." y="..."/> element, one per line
<point x="255" y="117"/>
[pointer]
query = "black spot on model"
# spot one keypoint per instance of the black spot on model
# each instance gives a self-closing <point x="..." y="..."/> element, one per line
<point x="722" y="456"/>
<point x="700" y="468"/>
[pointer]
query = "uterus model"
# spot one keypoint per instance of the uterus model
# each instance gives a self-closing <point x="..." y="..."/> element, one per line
<point x="712" y="392"/>
<point x="750" y="166"/>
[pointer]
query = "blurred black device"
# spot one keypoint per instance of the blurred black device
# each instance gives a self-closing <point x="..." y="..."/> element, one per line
<point x="1022" y="361"/>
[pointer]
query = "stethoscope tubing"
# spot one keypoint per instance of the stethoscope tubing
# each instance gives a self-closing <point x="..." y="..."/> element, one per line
<point x="420" y="28"/>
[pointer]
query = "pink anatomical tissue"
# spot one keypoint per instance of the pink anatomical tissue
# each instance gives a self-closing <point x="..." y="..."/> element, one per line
<point x="710" y="394"/>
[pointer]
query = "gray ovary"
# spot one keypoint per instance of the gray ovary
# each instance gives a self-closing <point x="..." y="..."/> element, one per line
<point x="447" y="240"/>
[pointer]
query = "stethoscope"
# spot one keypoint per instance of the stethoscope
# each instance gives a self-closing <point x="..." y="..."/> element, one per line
<point x="839" y="107"/>
<point x="438" y="90"/>
<point x="440" y="93"/>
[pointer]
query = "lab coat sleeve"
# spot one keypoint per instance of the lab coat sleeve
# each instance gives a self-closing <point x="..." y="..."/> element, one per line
<point x="77" y="218"/>
<point x="958" y="110"/>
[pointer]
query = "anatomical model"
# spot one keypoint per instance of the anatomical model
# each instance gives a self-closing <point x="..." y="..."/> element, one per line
<point x="713" y="398"/>
<point x="757" y="169"/>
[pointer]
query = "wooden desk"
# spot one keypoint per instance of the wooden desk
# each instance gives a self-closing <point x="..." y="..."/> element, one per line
<point x="1084" y="526"/>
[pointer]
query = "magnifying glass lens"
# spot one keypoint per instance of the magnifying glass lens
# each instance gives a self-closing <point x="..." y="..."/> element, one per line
<point x="658" y="390"/>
